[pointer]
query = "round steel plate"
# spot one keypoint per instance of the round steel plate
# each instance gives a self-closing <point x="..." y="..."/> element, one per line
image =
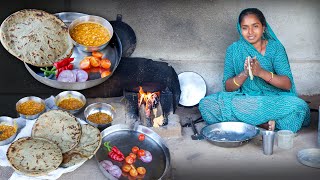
<point x="113" y="52"/>
<point x="193" y="88"/>
<point x="229" y="134"/>
<point x="125" y="138"/>
<point x="309" y="157"/>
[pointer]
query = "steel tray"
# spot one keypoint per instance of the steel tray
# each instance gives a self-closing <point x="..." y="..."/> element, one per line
<point x="125" y="137"/>
<point x="113" y="52"/>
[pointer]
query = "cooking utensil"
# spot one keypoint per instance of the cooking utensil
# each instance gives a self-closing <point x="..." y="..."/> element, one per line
<point x="99" y="107"/>
<point x="196" y="135"/>
<point x="226" y="134"/>
<point x="309" y="157"/>
<point x="193" y="88"/>
<point x="113" y="51"/>
<point x="31" y="98"/>
<point x="70" y="94"/>
<point x="10" y="122"/>
<point x="93" y="19"/>
<point x="126" y="34"/>
<point x="122" y="136"/>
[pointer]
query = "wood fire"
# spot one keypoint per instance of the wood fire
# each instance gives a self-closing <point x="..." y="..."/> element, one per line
<point x="150" y="110"/>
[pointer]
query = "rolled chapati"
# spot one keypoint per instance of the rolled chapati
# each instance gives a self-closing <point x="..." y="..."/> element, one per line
<point x="89" y="144"/>
<point x="59" y="127"/>
<point x="34" y="156"/>
<point x="36" y="37"/>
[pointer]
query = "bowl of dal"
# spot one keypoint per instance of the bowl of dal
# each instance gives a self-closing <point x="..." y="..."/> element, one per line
<point x="8" y="130"/>
<point x="70" y="101"/>
<point x="99" y="115"/>
<point x="90" y="33"/>
<point x="30" y="107"/>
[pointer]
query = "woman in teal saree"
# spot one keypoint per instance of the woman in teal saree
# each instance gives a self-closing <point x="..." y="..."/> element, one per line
<point x="270" y="98"/>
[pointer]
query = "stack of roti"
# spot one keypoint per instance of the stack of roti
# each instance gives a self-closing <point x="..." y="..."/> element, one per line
<point x="57" y="139"/>
<point x="36" y="37"/>
<point x="89" y="144"/>
<point x="59" y="127"/>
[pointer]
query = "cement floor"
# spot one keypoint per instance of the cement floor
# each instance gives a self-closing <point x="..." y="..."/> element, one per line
<point x="192" y="159"/>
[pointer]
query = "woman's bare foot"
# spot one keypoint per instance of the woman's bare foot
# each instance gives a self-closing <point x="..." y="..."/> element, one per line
<point x="270" y="125"/>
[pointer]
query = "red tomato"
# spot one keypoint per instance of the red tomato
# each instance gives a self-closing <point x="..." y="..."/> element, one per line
<point x="126" y="168"/>
<point x="129" y="160"/>
<point x="134" y="156"/>
<point x="135" y="149"/>
<point x="133" y="172"/>
<point x="105" y="63"/>
<point x="141" y="153"/>
<point x="141" y="170"/>
<point x="141" y="137"/>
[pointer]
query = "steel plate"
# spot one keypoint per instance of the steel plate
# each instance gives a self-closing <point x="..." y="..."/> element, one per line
<point x="229" y="134"/>
<point x="113" y="52"/>
<point x="193" y="88"/>
<point x="309" y="157"/>
<point x="125" y="137"/>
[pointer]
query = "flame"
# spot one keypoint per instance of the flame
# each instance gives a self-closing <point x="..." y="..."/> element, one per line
<point x="147" y="98"/>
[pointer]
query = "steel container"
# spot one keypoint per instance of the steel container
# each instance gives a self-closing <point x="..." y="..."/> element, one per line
<point x="32" y="98"/>
<point x="99" y="107"/>
<point x="94" y="19"/>
<point x="70" y="94"/>
<point x="8" y="121"/>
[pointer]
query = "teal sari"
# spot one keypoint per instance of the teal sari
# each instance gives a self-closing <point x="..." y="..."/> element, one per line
<point x="256" y="102"/>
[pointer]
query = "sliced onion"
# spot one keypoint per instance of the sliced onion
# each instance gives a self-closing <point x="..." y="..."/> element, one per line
<point x="81" y="75"/>
<point x="147" y="157"/>
<point x="115" y="171"/>
<point x="106" y="164"/>
<point x="67" y="76"/>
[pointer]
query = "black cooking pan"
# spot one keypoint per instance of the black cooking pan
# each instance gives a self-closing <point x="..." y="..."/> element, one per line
<point x="126" y="34"/>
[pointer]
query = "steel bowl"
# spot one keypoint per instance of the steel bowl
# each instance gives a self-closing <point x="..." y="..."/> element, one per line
<point x="33" y="98"/>
<point x="99" y="107"/>
<point x="10" y="122"/>
<point x="229" y="134"/>
<point x="70" y="94"/>
<point x="94" y="19"/>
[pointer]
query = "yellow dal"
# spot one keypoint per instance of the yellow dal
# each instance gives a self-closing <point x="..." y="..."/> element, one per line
<point x="30" y="107"/>
<point x="90" y="34"/>
<point x="71" y="103"/>
<point x="7" y="131"/>
<point x="100" y="118"/>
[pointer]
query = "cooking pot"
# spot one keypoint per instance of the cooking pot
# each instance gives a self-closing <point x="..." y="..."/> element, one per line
<point x="225" y="134"/>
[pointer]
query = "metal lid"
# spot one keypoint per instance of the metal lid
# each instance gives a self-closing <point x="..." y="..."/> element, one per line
<point x="193" y="88"/>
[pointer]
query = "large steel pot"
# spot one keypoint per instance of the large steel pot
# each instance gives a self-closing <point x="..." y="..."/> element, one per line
<point x="226" y="134"/>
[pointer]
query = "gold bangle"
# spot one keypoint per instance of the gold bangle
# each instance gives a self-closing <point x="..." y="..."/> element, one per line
<point x="271" y="77"/>
<point x="234" y="81"/>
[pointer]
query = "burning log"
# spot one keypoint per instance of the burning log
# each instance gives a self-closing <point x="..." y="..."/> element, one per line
<point x="150" y="110"/>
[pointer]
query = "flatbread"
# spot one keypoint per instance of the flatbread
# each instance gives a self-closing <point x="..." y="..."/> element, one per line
<point x="89" y="144"/>
<point x="34" y="156"/>
<point x="59" y="127"/>
<point x="36" y="37"/>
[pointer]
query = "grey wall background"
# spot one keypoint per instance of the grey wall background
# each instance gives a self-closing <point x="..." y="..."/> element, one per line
<point x="193" y="35"/>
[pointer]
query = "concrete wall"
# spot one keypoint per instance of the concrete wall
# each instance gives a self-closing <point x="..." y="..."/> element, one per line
<point x="193" y="35"/>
